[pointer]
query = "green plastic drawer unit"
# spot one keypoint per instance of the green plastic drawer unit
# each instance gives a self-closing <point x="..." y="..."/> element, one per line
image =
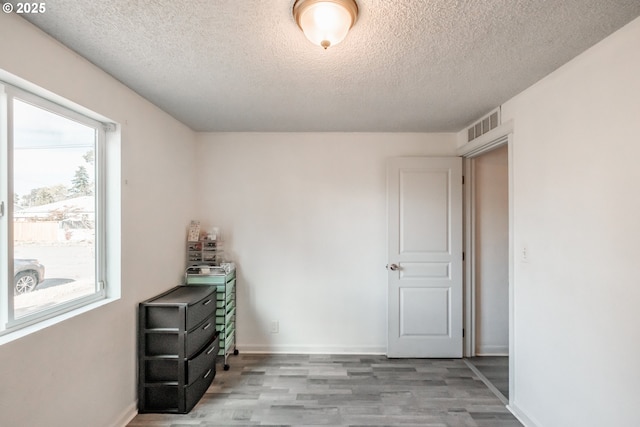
<point x="226" y="287"/>
<point x="229" y="341"/>
<point x="231" y="314"/>
<point x="210" y="279"/>
<point x="225" y="323"/>
<point x="225" y="305"/>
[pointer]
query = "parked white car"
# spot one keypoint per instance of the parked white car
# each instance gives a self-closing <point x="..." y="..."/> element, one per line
<point x="28" y="273"/>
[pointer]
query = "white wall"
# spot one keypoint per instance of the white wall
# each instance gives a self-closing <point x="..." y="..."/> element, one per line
<point x="491" y="181"/>
<point x="82" y="372"/>
<point x="304" y="215"/>
<point x="576" y="151"/>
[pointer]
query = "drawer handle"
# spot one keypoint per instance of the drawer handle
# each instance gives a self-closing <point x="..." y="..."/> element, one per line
<point x="207" y="374"/>
<point x="211" y="350"/>
<point x="207" y="326"/>
<point x="207" y="302"/>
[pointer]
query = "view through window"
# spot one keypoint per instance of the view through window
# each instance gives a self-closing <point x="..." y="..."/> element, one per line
<point x="54" y="209"/>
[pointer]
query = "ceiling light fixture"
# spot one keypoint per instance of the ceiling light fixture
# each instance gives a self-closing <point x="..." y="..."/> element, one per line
<point x="325" y="22"/>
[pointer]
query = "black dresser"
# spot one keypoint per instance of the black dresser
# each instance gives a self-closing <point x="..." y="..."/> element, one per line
<point x="177" y="348"/>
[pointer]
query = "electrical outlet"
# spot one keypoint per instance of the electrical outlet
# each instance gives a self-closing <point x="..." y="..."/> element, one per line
<point x="275" y="327"/>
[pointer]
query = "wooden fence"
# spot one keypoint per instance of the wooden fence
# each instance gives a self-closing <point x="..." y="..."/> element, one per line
<point x="40" y="231"/>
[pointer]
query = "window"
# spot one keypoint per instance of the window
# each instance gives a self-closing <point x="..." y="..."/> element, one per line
<point x="52" y="224"/>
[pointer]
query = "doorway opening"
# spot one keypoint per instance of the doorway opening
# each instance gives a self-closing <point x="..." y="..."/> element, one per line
<point x="490" y="207"/>
<point x="489" y="266"/>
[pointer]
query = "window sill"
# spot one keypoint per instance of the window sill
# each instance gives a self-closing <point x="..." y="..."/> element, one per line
<point x="12" y="336"/>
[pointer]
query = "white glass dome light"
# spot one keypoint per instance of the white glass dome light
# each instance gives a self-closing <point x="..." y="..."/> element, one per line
<point x="325" y="22"/>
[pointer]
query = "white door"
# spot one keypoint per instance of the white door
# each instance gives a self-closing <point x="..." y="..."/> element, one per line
<point x="425" y="257"/>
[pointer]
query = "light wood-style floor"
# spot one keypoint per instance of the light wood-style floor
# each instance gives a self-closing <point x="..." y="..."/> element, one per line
<point x="342" y="390"/>
<point x="496" y="370"/>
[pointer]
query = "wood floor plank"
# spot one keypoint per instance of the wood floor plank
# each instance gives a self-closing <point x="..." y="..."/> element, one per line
<point x="495" y="369"/>
<point x="341" y="390"/>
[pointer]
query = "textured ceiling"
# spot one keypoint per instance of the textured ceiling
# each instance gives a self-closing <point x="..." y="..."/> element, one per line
<point x="406" y="66"/>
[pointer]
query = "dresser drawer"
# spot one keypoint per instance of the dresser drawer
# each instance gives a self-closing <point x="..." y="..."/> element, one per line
<point x="200" y="335"/>
<point x="195" y="391"/>
<point x="201" y="310"/>
<point x="204" y="361"/>
<point x="223" y="318"/>
<point x="227" y="287"/>
<point x="174" y="398"/>
<point x="223" y="299"/>
<point x="181" y="307"/>
<point x="168" y="369"/>
<point x="169" y="343"/>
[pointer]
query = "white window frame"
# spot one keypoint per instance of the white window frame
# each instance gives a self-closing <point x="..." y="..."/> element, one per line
<point x="10" y="327"/>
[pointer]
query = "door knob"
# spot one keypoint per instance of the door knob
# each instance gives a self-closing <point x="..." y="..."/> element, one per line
<point x="392" y="267"/>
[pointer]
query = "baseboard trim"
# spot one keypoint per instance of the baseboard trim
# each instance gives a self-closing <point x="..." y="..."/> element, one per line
<point x="521" y="416"/>
<point x="129" y="414"/>
<point x="295" y="349"/>
<point x="492" y="350"/>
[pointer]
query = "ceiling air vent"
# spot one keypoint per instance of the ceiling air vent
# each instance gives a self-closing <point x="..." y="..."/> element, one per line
<point x="484" y="125"/>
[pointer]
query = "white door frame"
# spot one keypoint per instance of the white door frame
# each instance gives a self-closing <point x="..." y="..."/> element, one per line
<point x="502" y="135"/>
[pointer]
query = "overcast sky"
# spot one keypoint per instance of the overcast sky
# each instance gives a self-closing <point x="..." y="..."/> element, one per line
<point x="48" y="148"/>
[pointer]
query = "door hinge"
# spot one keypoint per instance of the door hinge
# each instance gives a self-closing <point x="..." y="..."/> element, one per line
<point x="462" y="179"/>
<point x="463" y="256"/>
<point x="462" y="332"/>
<point x="1" y="208"/>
